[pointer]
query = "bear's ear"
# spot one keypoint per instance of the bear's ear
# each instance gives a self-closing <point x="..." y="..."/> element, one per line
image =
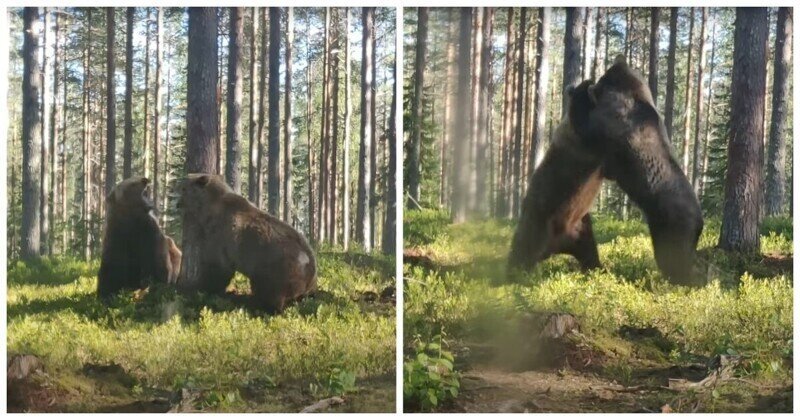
<point x="202" y="180"/>
<point x="591" y="91"/>
<point x="620" y="59"/>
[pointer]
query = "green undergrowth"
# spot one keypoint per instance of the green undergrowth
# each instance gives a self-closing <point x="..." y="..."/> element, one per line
<point x="745" y="308"/>
<point x="335" y="343"/>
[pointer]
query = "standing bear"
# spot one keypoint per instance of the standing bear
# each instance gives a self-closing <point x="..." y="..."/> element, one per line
<point x="625" y="121"/>
<point x="555" y="213"/>
<point x="135" y="250"/>
<point x="236" y="236"/>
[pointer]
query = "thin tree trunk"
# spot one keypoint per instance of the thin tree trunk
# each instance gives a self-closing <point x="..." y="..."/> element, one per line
<point x="87" y="141"/>
<point x="461" y="132"/>
<point x="167" y="141"/>
<point x="127" y="142"/>
<point x="157" y="112"/>
<point x="146" y="146"/>
<point x="44" y="199"/>
<point x="235" y="86"/>
<point x="252" y="176"/>
<point x="669" y="102"/>
<point x="55" y="126"/>
<point x="324" y="173"/>
<point x="347" y="116"/>
<point x="420" y="60"/>
<point x="202" y="122"/>
<point x="287" y="121"/>
<point x="111" y="102"/>
<point x="652" y="73"/>
<point x="542" y="80"/>
<point x="475" y="71"/>
<point x="504" y="190"/>
<point x="586" y="53"/>
<point x="743" y="179"/>
<point x="447" y="126"/>
<point x="482" y="199"/>
<point x="364" y="222"/>
<point x="31" y="137"/>
<point x="520" y="88"/>
<point x="687" y="120"/>
<point x="312" y="232"/>
<point x="709" y="106"/>
<point x="776" y="163"/>
<point x="699" y="102"/>
<point x="262" y="121"/>
<point x="65" y="231"/>
<point x="334" y="129"/>
<point x="390" y="222"/>
<point x="572" y="51"/>
<point x="601" y="12"/>
<point x="274" y="93"/>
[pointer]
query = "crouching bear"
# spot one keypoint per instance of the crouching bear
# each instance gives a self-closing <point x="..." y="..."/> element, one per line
<point x="135" y="250"/>
<point x="236" y="236"/>
<point x="555" y="213"/>
<point x="625" y="121"/>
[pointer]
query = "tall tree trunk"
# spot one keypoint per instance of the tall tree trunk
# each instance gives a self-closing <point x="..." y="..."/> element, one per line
<point x="461" y="132"/>
<point x="252" y="162"/>
<point x="44" y="199"/>
<point x="389" y="244"/>
<point x="157" y="112"/>
<point x="127" y="142"/>
<point x="504" y="188"/>
<point x="235" y="86"/>
<point x="167" y="141"/>
<point x="652" y="69"/>
<point x="324" y="173"/>
<point x="542" y="80"/>
<point x="262" y="106"/>
<point x="599" y="30"/>
<point x="373" y="202"/>
<point x="288" y="203"/>
<point x="687" y="120"/>
<point x="364" y="222"/>
<point x="482" y="178"/>
<point x="55" y="127"/>
<point x="587" y="45"/>
<point x="347" y="116"/>
<point x="573" y="34"/>
<point x="699" y="102"/>
<point x="146" y="146"/>
<point x="274" y="93"/>
<point x="65" y="231"/>
<point x="776" y="163"/>
<point x="87" y="140"/>
<point x="31" y="137"/>
<point x="312" y="231"/>
<point x="420" y="60"/>
<point x="520" y="93"/>
<point x="743" y="179"/>
<point x="111" y="102"/>
<point x="202" y="129"/>
<point x="475" y="71"/>
<point x="669" y="102"/>
<point x="334" y="129"/>
<point x="447" y="125"/>
<point x="709" y="106"/>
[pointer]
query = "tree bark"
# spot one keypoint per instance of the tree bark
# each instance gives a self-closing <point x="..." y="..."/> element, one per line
<point x="274" y="93"/>
<point x="312" y="231"/>
<point x="288" y="203"/>
<point x="324" y="135"/>
<point x="364" y="222"/>
<point x="520" y="93"/>
<point x="202" y="126"/>
<point x="127" y="142"/>
<point x="573" y="34"/>
<point x="44" y="198"/>
<point x="157" y="112"/>
<point x="334" y="130"/>
<point x="482" y="178"/>
<point x="461" y="133"/>
<point x="55" y="127"/>
<point x="542" y="81"/>
<point x="31" y="137"/>
<point x="743" y="180"/>
<point x="111" y="101"/>
<point x="87" y="141"/>
<point x="699" y="102"/>
<point x="687" y="120"/>
<point x="347" y="116"/>
<point x="503" y="206"/>
<point x="235" y="86"/>
<point x="669" y="102"/>
<point x="601" y="12"/>
<point x="146" y="146"/>
<point x="389" y="245"/>
<point x="776" y="163"/>
<point x="252" y="162"/>
<point x="652" y="73"/>
<point x="262" y="106"/>
<point x="420" y="60"/>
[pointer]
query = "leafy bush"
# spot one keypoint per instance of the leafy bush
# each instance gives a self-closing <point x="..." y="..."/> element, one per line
<point x="429" y="379"/>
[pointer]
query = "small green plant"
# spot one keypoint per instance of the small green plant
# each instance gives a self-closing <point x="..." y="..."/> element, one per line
<point x="429" y="378"/>
<point x="340" y="381"/>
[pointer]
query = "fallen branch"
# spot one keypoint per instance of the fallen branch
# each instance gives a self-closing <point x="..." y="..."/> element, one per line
<point x="323" y="405"/>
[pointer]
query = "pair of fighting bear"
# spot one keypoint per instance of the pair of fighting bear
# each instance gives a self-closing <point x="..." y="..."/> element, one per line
<point x="611" y="130"/>
<point x="234" y="236"/>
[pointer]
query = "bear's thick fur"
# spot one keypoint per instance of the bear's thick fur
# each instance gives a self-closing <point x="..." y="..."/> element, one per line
<point x="626" y="123"/>
<point x="555" y="213"/>
<point x="135" y="250"/>
<point x="237" y="236"/>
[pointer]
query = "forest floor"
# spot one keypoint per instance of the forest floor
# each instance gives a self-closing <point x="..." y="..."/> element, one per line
<point x="157" y="351"/>
<point x="617" y="339"/>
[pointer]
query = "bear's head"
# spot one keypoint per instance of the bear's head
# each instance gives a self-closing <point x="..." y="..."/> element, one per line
<point x="130" y="197"/>
<point x="623" y="103"/>
<point x="200" y="191"/>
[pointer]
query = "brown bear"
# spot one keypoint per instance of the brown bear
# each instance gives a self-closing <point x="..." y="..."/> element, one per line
<point x="135" y="250"/>
<point x="555" y="213"/>
<point x="626" y="123"/>
<point x="237" y="236"/>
